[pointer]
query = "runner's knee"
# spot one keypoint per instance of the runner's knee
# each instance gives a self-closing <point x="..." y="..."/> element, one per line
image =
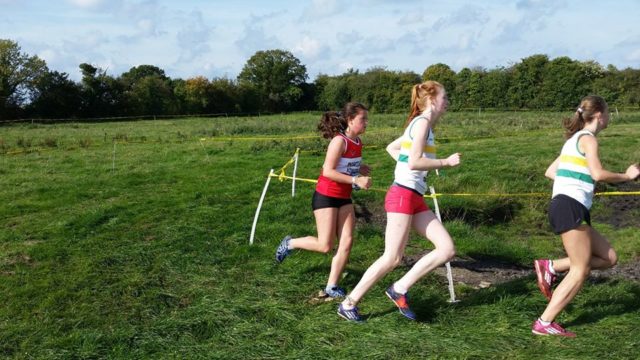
<point x="390" y="261"/>
<point x="613" y="258"/>
<point x="447" y="252"/>
<point x="580" y="273"/>
<point x="325" y="248"/>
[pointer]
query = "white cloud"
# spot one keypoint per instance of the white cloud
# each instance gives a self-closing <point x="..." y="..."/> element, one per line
<point x="322" y="9"/>
<point x="344" y="66"/>
<point x="193" y="38"/>
<point x="414" y="17"/>
<point x="49" y="55"/>
<point x="87" y="3"/>
<point x="468" y="15"/>
<point x="310" y="48"/>
<point x="633" y="56"/>
<point x="255" y="37"/>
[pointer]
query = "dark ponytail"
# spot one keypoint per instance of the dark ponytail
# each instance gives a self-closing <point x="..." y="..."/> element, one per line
<point x="585" y="113"/>
<point x="332" y="122"/>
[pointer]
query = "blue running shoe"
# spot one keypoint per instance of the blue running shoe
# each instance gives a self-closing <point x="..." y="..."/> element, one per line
<point x="283" y="249"/>
<point x="335" y="292"/>
<point x="402" y="302"/>
<point x="350" y="315"/>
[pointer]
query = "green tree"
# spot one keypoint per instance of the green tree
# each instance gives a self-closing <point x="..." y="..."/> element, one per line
<point x="277" y="76"/>
<point x="147" y="91"/>
<point x="443" y="74"/>
<point x="526" y="82"/>
<point x="140" y="72"/>
<point x="55" y="96"/>
<point x="101" y="94"/>
<point x="495" y="86"/>
<point x="18" y="74"/>
<point x="609" y="85"/>
<point x="475" y="92"/>
<point x="460" y="92"/>
<point x="630" y="87"/>
<point x="196" y="95"/>
<point x="152" y="95"/>
<point x="565" y="83"/>
<point x="224" y="95"/>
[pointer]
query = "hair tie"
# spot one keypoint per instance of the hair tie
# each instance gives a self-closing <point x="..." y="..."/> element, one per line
<point x="579" y="110"/>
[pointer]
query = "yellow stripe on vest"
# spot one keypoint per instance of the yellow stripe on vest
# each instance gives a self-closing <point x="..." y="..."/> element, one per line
<point x="427" y="148"/>
<point x="573" y="160"/>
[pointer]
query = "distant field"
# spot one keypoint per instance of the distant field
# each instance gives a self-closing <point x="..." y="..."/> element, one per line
<point x="130" y="240"/>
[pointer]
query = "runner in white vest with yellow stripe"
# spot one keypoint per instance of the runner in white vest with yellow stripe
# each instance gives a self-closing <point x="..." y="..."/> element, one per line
<point x="414" y="153"/>
<point x="573" y="177"/>
<point x="404" y="175"/>
<point x="574" y="173"/>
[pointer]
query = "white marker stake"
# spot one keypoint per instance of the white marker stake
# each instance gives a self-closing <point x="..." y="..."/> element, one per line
<point x="255" y="218"/>
<point x="295" y="169"/>
<point x="452" y="293"/>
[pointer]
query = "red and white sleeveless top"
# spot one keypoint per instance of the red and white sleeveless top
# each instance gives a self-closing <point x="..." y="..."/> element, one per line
<point x="349" y="164"/>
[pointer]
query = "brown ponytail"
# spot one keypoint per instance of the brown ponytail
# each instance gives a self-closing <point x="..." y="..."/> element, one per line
<point x="420" y="93"/>
<point x="332" y="122"/>
<point x="589" y="106"/>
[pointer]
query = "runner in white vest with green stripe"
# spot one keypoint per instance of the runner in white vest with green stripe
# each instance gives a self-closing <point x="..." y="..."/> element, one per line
<point x="404" y="175"/>
<point x="573" y="177"/>
<point x="574" y="173"/>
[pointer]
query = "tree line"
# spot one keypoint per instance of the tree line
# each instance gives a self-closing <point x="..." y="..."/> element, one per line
<point x="276" y="81"/>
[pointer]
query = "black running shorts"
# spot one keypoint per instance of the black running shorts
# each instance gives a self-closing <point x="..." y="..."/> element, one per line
<point x="320" y="201"/>
<point x="566" y="213"/>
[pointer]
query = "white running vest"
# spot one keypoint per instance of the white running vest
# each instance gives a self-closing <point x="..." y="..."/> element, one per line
<point x="414" y="179"/>
<point x="572" y="176"/>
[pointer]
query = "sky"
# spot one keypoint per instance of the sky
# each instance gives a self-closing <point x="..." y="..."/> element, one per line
<point x="215" y="38"/>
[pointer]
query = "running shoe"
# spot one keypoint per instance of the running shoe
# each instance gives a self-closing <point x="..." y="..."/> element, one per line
<point x="350" y="315"/>
<point x="551" y="329"/>
<point x="283" y="249"/>
<point x="546" y="278"/>
<point x="402" y="302"/>
<point x="335" y="292"/>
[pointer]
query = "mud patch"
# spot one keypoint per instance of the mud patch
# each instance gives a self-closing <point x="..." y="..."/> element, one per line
<point x="481" y="273"/>
<point x="621" y="210"/>
<point x="364" y="215"/>
<point x="493" y="212"/>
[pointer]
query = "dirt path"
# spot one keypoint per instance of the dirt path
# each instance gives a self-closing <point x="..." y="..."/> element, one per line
<point x="486" y="272"/>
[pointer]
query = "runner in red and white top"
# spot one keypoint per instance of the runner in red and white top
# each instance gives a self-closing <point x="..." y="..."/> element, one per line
<point x="331" y="202"/>
<point x="348" y="164"/>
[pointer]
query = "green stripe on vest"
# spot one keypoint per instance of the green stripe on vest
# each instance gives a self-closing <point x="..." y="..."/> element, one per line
<point x="403" y="158"/>
<point x="575" y="175"/>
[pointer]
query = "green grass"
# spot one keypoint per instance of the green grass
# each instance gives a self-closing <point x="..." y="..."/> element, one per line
<point x="130" y="240"/>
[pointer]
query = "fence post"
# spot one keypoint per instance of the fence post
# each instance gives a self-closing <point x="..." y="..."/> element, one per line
<point x="452" y="294"/>
<point x="255" y="218"/>
<point x="113" y="158"/>
<point x="295" y="169"/>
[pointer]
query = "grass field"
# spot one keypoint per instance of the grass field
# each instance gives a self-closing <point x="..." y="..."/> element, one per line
<point x="130" y="240"/>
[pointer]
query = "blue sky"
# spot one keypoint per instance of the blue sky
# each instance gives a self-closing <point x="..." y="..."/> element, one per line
<point x="215" y="38"/>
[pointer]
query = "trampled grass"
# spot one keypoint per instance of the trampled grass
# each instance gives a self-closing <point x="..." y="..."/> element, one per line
<point x="130" y="240"/>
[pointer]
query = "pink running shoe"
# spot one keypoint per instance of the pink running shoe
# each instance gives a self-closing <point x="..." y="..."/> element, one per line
<point x="551" y="329"/>
<point x="545" y="277"/>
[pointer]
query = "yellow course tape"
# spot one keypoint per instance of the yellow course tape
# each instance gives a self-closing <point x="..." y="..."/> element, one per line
<point x="230" y="138"/>
<point x="293" y="158"/>
<point x="282" y="177"/>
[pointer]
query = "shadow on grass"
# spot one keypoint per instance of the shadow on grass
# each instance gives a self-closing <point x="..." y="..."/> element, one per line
<point x="605" y="305"/>
<point x="494" y="212"/>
